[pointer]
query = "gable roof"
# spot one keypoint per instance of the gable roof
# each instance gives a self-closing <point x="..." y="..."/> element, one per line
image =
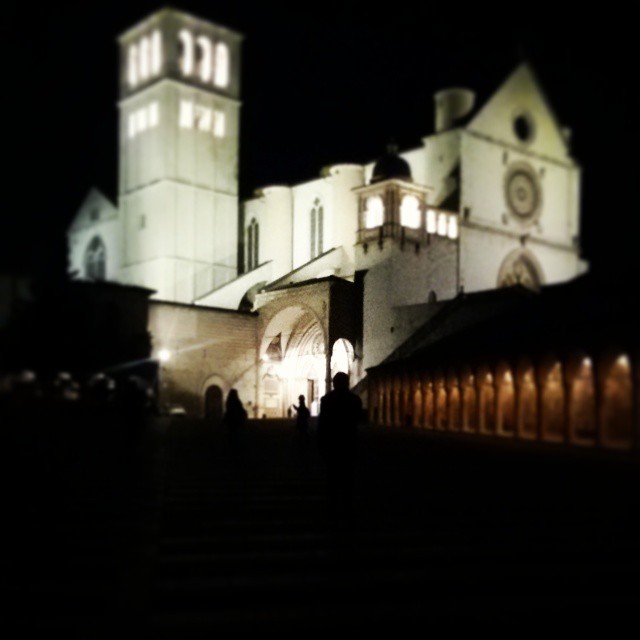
<point x="95" y="201"/>
<point x="521" y="96"/>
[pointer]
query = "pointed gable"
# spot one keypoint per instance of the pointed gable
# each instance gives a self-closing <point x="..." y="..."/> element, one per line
<point x="519" y="114"/>
<point x="95" y="208"/>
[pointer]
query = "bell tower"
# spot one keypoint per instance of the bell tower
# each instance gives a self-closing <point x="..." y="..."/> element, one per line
<point x="178" y="138"/>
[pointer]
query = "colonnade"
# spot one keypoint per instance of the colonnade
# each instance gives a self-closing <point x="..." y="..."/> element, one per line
<point x="580" y="399"/>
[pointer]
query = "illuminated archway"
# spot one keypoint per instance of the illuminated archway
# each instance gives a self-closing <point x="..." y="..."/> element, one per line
<point x="342" y="357"/>
<point x="469" y="405"/>
<point x="528" y="405"/>
<point x="520" y="267"/>
<point x="487" y="413"/>
<point x="506" y="402"/>
<point x="454" y="408"/>
<point x="293" y="359"/>
<point x="582" y="408"/>
<point x="617" y="404"/>
<point x="95" y="259"/>
<point x="429" y="406"/>
<point x="553" y="415"/>
<point x="440" y="400"/>
<point x="417" y="405"/>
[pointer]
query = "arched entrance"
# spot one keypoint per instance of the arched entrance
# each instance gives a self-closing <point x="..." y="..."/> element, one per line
<point x="528" y="407"/>
<point x="553" y="405"/>
<point x="294" y="362"/>
<point x="469" y="405"/>
<point x="582" y="411"/>
<point x="487" y="413"/>
<point x="506" y="403"/>
<point x="617" y="404"/>
<point x="213" y="402"/>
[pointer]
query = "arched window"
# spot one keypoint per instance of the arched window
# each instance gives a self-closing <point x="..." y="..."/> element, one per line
<point x="133" y="66"/>
<point x="221" y="78"/>
<point x="186" y="52"/>
<point x="431" y="221"/>
<point x="156" y="52"/>
<point x="410" y="212"/>
<point x="95" y="260"/>
<point x="145" y="50"/>
<point x="317" y="229"/>
<point x="374" y="214"/>
<point x="205" y="57"/>
<point x="253" y="242"/>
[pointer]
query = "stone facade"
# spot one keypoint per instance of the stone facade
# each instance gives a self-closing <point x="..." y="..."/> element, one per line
<point x="490" y="199"/>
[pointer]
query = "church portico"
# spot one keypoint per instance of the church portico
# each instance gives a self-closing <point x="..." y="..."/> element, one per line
<point x="307" y="334"/>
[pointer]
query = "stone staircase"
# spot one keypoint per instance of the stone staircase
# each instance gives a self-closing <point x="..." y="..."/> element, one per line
<point x="228" y="536"/>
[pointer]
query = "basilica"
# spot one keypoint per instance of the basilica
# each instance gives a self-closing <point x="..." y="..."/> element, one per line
<point x="274" y="295"/>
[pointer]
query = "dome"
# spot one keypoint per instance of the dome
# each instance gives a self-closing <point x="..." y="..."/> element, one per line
<point x="391" y="165"/>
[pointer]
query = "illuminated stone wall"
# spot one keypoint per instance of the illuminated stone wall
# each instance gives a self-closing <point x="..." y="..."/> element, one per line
<point x="207" y="347"/>
<point x="397" y="292"/>
<point x="179" y="130"/>
<point x="519" y="186"/>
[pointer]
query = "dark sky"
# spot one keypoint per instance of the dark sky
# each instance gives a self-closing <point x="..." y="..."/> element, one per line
<point x="322" y="83"/>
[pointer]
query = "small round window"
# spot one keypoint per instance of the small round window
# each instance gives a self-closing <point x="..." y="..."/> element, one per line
<point x="523" y="127"/>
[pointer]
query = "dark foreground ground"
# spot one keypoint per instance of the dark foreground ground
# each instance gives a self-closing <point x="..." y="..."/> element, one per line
<point x="173" y="530"/>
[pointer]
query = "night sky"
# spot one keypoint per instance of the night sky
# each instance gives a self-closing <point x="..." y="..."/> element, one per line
<point x="322" y="84"/>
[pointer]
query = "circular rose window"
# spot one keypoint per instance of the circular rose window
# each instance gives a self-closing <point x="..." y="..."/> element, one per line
<point x="523" y="192"/>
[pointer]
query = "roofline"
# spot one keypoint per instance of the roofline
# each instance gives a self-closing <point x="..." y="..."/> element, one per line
<point x="157" y="15"/>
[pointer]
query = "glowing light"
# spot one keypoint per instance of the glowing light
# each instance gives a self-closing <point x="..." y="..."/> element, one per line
<point x="141" y="118"/>
<point x="431" y="221"/>
<point x="156" y="52"/>
<point x="203" y="118"/>
<point x="452" y="230"/>
<point x="219" y="124"/>
<point x="623" y="361"/>
<point x="586" y="362"/>
<point x="410" y="212"/>
<point x="206" y="61"/>
<point x="164" y="355"/>
<point x="442" y="224"/>
<point x="221" y="78"/>
<point x="374" y="214"/>
<point x="133" y="66"/>
<point x="186" y="114"/>
<point x="143" y="61"/>
<point x="186" y="60"/>
<point x="154" y="114"/>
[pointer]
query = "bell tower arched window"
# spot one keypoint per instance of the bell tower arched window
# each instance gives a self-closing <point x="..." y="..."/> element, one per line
<point x="95" y="260"/>
<point x="253" y="242"/>
<point x="316" y="229"/>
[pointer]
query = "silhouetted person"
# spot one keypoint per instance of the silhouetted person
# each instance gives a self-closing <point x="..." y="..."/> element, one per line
<point x="302" y="428"/>
<point x="340" y="411"/>
<point x="303" y="415"/>
<point x="235" y="414"/>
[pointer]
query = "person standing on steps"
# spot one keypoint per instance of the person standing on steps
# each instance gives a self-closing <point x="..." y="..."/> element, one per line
<point x="302" y="427"/>
<point x="302" y="417"/>
<point x="235" y="415"/>
<point x="340" y="412"/>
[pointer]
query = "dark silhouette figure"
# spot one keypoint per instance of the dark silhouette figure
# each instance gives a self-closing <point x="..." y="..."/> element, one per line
<point x="302" y="428"/>
<point x="340" y="412"/>
<point x="303" y="415"/>
<point x="235" y="414"/>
